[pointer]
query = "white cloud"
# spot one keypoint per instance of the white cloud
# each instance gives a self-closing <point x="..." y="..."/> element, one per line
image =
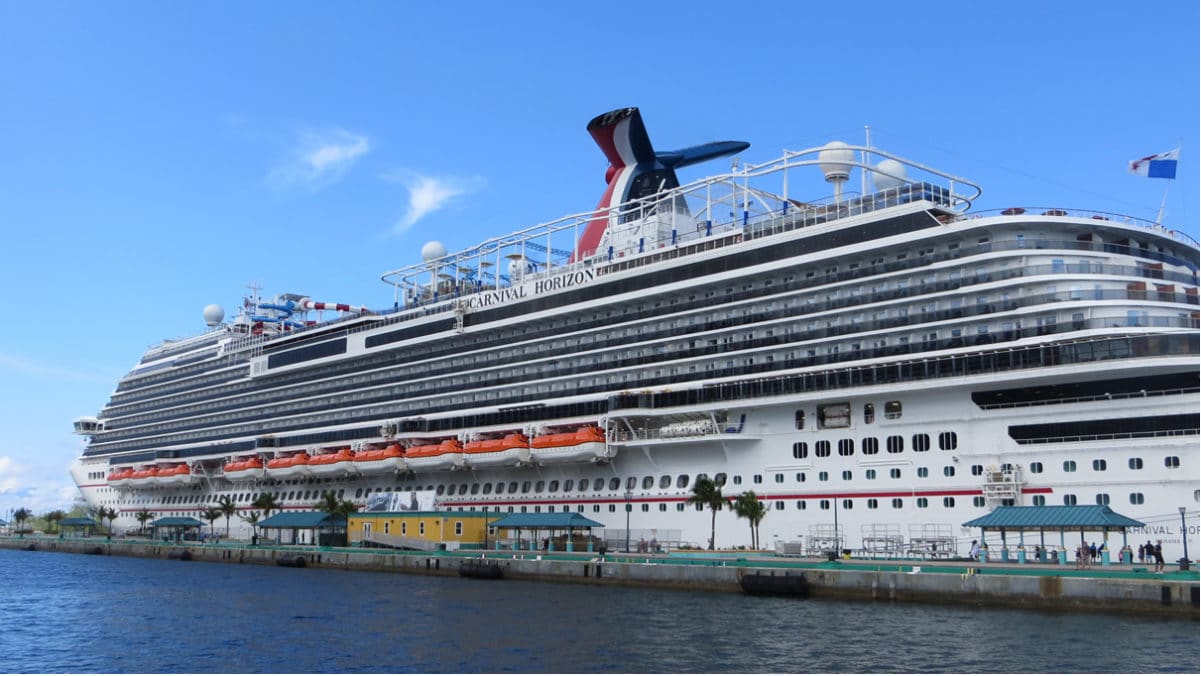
<point x="38" y="488"/>
<point x="428" y="194"/>
<point x="319" y="158"/>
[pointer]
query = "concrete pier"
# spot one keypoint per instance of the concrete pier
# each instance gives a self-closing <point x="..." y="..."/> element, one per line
<point x="1123" y="589"/>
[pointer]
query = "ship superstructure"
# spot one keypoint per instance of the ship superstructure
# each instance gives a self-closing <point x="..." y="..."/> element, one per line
<point x="878" y="366"/>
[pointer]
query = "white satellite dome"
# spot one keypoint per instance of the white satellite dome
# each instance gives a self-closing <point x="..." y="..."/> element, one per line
<point x="213" y="314"/>
<point x="517" y="268"/>
<point x="835" y="161"/>
<point x="432" y="251"/>
<point x="889" y="174"/>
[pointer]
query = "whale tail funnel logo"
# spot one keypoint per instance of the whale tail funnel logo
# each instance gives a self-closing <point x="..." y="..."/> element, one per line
<point x="635" y="169"/>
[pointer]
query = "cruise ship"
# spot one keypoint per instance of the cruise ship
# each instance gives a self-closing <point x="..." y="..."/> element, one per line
<point x="835" y="329"/>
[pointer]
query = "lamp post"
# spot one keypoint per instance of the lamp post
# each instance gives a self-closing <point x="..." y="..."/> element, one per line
<point x="1183" y="535"/>
<point x="629" y="495"/>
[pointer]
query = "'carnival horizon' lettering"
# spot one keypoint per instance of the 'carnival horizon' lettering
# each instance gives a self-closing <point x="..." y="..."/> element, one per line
<point x="498" y="296"/>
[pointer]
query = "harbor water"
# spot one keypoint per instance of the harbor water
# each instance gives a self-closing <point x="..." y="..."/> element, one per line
<point x="74" y="613"/>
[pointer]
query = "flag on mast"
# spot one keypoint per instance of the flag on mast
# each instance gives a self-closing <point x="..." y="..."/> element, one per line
<point x="1162" y="165"/>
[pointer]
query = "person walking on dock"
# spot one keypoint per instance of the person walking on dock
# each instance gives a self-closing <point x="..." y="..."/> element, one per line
<point x="1158" y="551"/>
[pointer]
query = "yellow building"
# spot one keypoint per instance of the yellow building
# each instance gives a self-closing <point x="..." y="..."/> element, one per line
<point x="420" y="530"/>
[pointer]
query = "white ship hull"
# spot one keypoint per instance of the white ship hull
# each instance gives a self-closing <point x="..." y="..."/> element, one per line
<point x="878" y="369"/>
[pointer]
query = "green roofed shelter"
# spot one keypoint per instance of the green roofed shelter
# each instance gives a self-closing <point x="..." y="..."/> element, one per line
<point x="324" y="528"/>
<point x="1083" y="518"/>
<point x="552" y="522"/>
<point x="78" y="523"/>
<point x="177" y="527"/>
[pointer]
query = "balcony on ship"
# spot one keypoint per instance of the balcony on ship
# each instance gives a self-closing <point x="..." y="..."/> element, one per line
<point x="681" y="428"/>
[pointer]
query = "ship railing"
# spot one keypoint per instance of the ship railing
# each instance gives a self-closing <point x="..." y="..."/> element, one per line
<point x="1096" y="397"/>
<point x="1034" y="212"/>
<point x="1146" y="434"/>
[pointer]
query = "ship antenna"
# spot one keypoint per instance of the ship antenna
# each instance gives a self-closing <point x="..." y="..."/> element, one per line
<point x="866" y="160"/>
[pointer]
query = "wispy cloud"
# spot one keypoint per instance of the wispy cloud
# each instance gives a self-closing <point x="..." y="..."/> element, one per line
<point x="319" y="158"/>
<point x="428" y="194"/>
<point x="21" y="365"/>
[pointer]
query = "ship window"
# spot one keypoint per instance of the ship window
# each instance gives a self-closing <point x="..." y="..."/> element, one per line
<point x="440" y="491"/>
<point x="869" y="413"/>
<point x="898" y="503"/>
<point x="450" y="490"/>
<point x="568" y="485"/>
<point x="1102" y="498"/>
<point x="1100" y="465"/>
<point x="848" y="504"/>
<point x="873" y="503"/>
<point x="846" y="475"/>
<point x="525" y="486"/>
<point x="462" y="489"/>
<point x="682" y="481"/>
<point x="1040" y="500"/>
<point x="948" y="441"/>
<point x="800" y="504"/>
<point x="949" y="470"/>
<point x="1136" y="463"/>
<point x="1136" y="498"/>
<point x="554" y="486"/>
<point x="870" y="445"/>
<point x="895" y="444"/>
<point x="846" y="447"/>
<point x="648" y="482"/>
<point x="923" y="472"/>
<point x="870" y="474"/>
<point x="512" y="486"/>
<point x="757" y="479"/>
<point x="631" y="483"/>
<point x="892" y="410"/>
<point x="488" y="488"/>
<point x="824" y="504"/>
<point x="895" y="473"/>
<point x="921" y="442"/>
<point x="475" y="489"/>
<point x="598" y="484"/>
<point x="977" y="470"/>
<point x="779" y="478"/>
<point x="923" y="503"/>
<point x="538" y="487"/>
<point x="737" y="479"/>
<point x="834" y="415"/>
<point x="1069" y="465"/>
<point x="614" y="484"/>
<point x="948" y="502"/>
<point x="823" y="476"/>
<point x="822" y="449"/>
<point x="800" y="450"/>
<point x="665" y="481"/>
<point x="1036" y="468"/>
<point x="800" y="476"/>
<point x="1171" y="461"/>
<point x="1069" y="499"/>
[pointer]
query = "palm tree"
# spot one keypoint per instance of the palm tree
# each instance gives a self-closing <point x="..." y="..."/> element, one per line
<point x="53" y="518"/>
<point x="107" y="513"/>
<point x="20" y="517"/>
<point x="252" y="518"/>
<point x="331" y="504"/>
<point x="142" y="517"/>
<point x="229" y="508"/>
<point x="747" y="506"/>
<point x="267" y="503"/>
<point x="708" y="494"/>
<point x="212" y="514"/>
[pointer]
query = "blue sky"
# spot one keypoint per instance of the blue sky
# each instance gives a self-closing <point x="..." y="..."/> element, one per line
<point x="157" y="157"/>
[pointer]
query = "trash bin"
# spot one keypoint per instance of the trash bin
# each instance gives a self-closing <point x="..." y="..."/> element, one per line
<point x="1021" y="556"/>
<point x="1063" y="557"/>
<point x="831" y="555"/>
<point x="1184" y="564"/>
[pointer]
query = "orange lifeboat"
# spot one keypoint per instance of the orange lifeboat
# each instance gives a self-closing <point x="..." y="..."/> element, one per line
<point x="443" y="455"/>
<point x="380" y="460"/>
<point x="175" y="475"/>
<point x="586" y="444"/>
<point x="143" y="477"/>
<point x="337" y="463"/>
<point x="287" y="467"/>
<point x="244" y="469"/>
<point x="513" y="449"/>
<point x="120" y="478"/>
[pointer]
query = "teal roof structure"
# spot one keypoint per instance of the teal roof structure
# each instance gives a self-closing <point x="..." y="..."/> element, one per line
<point x="548" y="520"/>
<point x="1076" y="517"/>
<point x="303" y="520"/>
<point x="176" y="522"/>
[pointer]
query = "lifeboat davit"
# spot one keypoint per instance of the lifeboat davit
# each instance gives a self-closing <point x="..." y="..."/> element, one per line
<point x="288" y="467"/>
<point x="175" y="475"/>
<point x="513" y="450"/>
<point x="244" y="469"/>
<point x="120" y="478"/>
<point x="144" y="477"/>
<point x="587" y="444"/>
<point x="445" y="455"/>
<point x="337" y="463"/>
<point x="380" y="460"/>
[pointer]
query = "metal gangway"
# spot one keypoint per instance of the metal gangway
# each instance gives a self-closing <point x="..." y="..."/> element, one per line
<point x="882" y="540"/>
<point x="932" y="541"/>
